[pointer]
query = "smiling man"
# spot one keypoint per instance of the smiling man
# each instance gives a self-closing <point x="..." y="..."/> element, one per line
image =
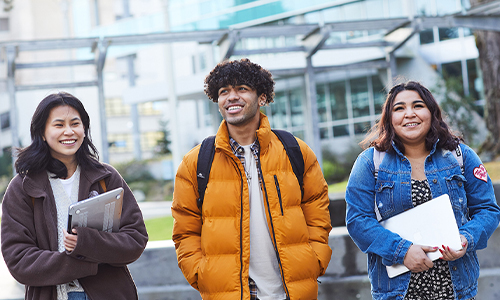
<point x="257" y="234"/>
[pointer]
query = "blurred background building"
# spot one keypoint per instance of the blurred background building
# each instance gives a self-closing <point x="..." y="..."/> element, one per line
<point x="331" y="80"/>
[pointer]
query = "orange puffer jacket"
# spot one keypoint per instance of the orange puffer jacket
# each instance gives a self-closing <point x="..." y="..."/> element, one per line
<point x="213" y="245"/>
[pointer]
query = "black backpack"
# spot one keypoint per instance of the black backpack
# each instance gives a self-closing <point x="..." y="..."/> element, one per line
<point x="207" y="151"/>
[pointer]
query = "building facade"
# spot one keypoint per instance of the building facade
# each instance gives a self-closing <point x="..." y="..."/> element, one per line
<point x="151" y="87"/>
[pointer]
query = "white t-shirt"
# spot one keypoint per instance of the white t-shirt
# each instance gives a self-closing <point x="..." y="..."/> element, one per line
<point x="264" y="268"/>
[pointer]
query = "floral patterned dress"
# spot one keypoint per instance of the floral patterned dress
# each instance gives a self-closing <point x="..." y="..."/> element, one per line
<point x="434" y="283"/>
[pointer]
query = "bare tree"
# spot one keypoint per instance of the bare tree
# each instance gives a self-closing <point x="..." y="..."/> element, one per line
<point x="488" y="44"/>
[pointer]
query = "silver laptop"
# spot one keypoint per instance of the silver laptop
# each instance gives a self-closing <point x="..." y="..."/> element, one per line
<point x="101" y="212"/>
<point x="429" y="224"/>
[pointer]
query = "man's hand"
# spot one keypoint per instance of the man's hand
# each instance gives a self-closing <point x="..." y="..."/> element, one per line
<point x="416" y="259"/>
<point x="70" y="240"/>
<point x="450" y="254"/>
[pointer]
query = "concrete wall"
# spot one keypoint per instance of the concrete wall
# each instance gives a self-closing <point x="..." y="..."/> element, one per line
<point x="158" y="277"/>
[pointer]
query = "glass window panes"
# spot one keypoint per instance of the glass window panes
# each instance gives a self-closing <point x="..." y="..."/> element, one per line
<point x="296" y="96"/>
<point x="423" y="7"/>
<point x="5" y="120"/>
<point x="453" y="71"/>
<point x="115" y="107"/>
<point x="338" y="104"/>
<point x="448" y="33"/>
<point x="468" y="31"/>
<point x="278" y="111"/>
<point x="361" y="128"/>
<point x="359" y="97"/>
<point x="475" y="83"/>
<point x="426" y="36"/>
<point x="379" y="94"/>
<point x="341" y="130"/>
<point x="323" y="133"/>
<point x="321" y="103"/>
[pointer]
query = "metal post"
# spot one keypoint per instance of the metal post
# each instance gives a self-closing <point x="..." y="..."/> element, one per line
<point x="134" y="112"/>
<point x="312" y="98"/>
<point x="102" y="48"/>
<point x="392" y="69"/>
<point x="172" y="94"/>
<point x="11" y="88"/>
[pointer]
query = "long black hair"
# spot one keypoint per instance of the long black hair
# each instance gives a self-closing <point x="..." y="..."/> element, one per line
<point x="36" y="157"/>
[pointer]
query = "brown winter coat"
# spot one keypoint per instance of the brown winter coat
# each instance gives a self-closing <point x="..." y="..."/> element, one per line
<point x="213" y="246"/>
<point x="99" y="260"/>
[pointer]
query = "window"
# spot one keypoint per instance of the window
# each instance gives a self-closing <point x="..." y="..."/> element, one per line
<point x="4" y="24"/>
<point x="359" y="97"/>
<point x="278" y="111"/>
<point x="342" y="130"/>
<point x="379" y="94"/>
<point x="338" y="103"/>
<point x="426" y="36"/>
<point x="361" y="128"/>
<point x="321" y="102"/>
<point x="448" y="33"/>
<point x="475" y="82"/>
<point x="296" y="96"/>
<point x="115" y="107"/>
<point x="5" y="120"/>
<point x="453" y="71"/>
<point x="120" y="143"/>
<point x="148" y="109"/>
<point x="423" y="7"/>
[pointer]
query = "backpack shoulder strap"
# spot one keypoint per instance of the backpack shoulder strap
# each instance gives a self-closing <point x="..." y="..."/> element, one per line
<point x="378" y="157"/>
<point x="103" y="185"/>
<point x="457" y="153"/>
<point x="292" y="149"/>
<point x="204" y="164"/>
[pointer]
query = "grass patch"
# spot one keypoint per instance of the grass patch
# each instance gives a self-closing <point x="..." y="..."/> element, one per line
<point x="160" y="229"/>
<point x="338" y="187"/>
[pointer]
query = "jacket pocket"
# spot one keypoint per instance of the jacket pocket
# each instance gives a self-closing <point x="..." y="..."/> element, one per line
<point x="279" y="192"/>
<point x="384" y="201"/>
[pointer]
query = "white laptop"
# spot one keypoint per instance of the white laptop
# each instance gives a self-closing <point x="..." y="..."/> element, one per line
<point x="429" y="224"/>
<point x="102" y="212"/>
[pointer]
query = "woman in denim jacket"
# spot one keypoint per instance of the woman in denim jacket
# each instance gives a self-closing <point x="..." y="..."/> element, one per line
<point x="417" y="167"/>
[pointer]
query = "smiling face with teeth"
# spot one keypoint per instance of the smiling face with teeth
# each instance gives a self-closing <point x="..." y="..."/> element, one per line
<point x="64" y="133"/>
<point x="239" y="105"/>
<point x="411" y="118"/>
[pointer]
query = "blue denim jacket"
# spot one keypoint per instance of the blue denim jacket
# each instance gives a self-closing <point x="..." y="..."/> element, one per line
<point x="473" y="201"/>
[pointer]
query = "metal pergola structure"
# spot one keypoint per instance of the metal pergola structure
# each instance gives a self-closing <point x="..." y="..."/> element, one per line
<point x="314" y="37"/>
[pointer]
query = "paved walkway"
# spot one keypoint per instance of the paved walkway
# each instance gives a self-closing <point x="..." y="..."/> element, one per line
<point x="10" y="289"/>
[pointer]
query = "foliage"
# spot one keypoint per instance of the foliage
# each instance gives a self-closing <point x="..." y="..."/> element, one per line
<point x="458" y="108"/>
<point x="6" y="164"/>
<point x="337" y="166"/>
<point x="163" y="144"/>
<point x="160" y="229"/>
<point x="134" y="171"/>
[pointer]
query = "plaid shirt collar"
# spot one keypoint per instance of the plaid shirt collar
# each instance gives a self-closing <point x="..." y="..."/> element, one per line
<point x="239" y="151"/>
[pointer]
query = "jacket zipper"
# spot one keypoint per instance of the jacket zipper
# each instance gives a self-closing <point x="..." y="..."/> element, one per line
<point x="241" y="228"/>
<point x="275" y="244"/>
<point x="279" y="192"/>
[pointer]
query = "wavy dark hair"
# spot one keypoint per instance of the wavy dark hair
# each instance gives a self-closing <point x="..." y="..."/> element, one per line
<point x="382" y="134"/>
<point x="36" y="157"/>
<point x="238" y="72"/>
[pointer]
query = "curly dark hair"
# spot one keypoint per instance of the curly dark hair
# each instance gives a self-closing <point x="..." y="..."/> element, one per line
<point x="382" y="134"/>
<point x="238" y="72"/>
